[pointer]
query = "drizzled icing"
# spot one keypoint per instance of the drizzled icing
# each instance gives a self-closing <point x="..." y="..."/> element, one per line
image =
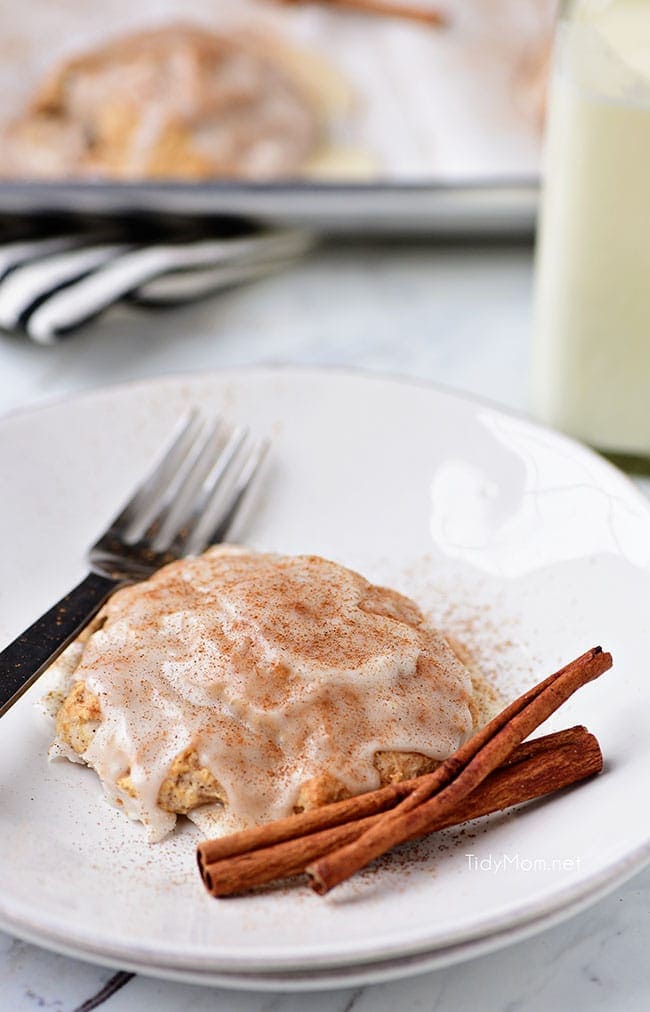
<point x="274" y="669"/>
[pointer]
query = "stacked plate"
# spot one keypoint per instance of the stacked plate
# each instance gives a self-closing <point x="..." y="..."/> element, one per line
<point x="517" y="539"/>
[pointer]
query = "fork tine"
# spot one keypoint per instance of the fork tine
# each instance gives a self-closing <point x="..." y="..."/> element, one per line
<point x="201" y="483"/>
<point x="216" y="479"/>
<point x="234" y="501"/>
<point x="148" y="492"/>
<point x="188" y="476"/>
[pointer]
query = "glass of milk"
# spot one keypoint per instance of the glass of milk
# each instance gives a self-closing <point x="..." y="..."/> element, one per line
<point x="592" y="300"/>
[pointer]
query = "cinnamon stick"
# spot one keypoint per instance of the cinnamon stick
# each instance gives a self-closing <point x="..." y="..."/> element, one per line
<point x="350" y="810"/>
<point x="387" y="8"/>
<point x="284" y="848"/>
<point x="442" y="791"/>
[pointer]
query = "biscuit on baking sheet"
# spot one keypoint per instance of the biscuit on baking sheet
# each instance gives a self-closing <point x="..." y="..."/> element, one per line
<point x="176" y="102"/>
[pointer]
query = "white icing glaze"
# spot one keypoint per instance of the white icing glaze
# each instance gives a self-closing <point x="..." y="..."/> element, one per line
<point x="274" y="669"/>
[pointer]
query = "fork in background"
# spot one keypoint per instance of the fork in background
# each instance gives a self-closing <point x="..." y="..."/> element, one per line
<point x="191" y="499"/>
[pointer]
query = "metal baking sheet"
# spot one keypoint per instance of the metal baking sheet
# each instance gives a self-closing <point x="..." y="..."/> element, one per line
<point x="488" y="209"/>
<point x="449" y="119"/>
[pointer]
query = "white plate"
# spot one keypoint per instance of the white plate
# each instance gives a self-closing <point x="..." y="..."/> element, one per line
<point x="529" y="546"/>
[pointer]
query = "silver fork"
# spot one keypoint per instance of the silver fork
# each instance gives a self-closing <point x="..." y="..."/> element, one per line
<point x="191" y="499"/>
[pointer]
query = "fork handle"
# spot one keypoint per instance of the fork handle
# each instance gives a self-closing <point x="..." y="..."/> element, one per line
<point x="30" y="653"/>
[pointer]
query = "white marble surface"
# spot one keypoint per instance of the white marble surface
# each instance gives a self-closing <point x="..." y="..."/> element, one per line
<point x="458" y="315"/>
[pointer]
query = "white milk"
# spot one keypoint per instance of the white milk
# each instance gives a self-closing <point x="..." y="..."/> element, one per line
<point x="592" y="318"/>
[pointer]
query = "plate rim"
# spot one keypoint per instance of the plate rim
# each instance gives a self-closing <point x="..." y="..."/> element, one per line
<point x="251" y="975"/>
<point x="351" y="371"/>
<point x="493" y="933"/>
